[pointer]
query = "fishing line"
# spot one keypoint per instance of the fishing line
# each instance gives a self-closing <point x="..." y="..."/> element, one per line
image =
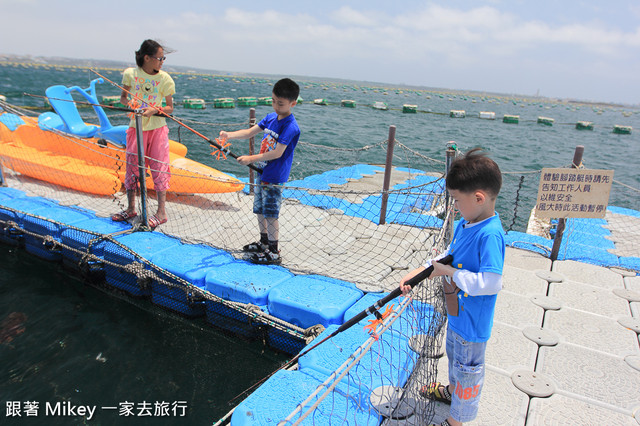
<point x="125" y="109"/>
<point x="221" y="148"/>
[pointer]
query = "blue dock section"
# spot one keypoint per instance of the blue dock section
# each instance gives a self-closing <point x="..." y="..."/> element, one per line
<point x="194" y="280"/>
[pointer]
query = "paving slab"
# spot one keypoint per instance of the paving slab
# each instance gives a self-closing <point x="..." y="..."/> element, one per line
<point x="522" y="281"/>
<point x="591" y="375"/>
<point x="590" y="298"/>
<point x="597" y="332"/>
<point x="509" y="349"/>
<point x="517" y="310"/>
<point x="501" y="402"/>
<point x="589" y="274"/>
<point x="525" y="259"/>
<point x="632" y="283"/>
<point x="560" y="409"/>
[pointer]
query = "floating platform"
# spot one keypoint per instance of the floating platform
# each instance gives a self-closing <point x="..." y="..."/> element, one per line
<point x="622" y="130"/>
<point x="383" y="106"/>
<point x="348" y="103"/>
<point x="546" y="121"/>
<point x="584" y="125"/>
<point x="265" y="100"/>
<point x="511" y="119"/>
<point x="224" y="103"/>
<point x="113" y="101"/>
<point x="487" y="115"/>
<point x="454" y="113"/>
<point x="409" y="109"/>
<point x="247" y="101"/>
<point x="272" y="302"/>
<point x="194" y="103"/>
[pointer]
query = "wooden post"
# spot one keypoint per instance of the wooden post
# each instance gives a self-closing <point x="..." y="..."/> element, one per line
<point x="387" y="174"/>
<point x="252" y="122"/>
<point x="142" y="173"/>
<point x="557" y="240"/>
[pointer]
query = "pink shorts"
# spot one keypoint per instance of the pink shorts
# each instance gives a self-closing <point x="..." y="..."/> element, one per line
<point x="156" y="152"/>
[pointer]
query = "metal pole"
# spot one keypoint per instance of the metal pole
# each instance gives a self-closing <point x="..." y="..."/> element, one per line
<point x="142" y="174"/>
<point x="557" y="240"/>
<point x="450" y="156"/>
<point x="387" y="174"/>
<point x="252" y="122"/>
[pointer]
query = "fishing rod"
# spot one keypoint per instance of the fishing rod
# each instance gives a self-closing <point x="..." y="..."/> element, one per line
<point x="373" y="309"/>
<point x="223" y="148"/>
<point x="125" y="109"/>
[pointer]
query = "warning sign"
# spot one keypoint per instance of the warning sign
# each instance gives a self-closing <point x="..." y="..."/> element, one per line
<point x="567" y="193"/>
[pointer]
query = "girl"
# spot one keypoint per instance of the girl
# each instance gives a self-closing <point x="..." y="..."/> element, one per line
<point x="149" y="85"/>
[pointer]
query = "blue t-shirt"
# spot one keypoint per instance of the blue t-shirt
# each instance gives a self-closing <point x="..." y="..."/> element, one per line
<point x="478" y="248"/>
<point x="285" y="131"/>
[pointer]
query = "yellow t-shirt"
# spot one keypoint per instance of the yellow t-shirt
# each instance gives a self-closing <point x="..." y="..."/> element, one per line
<point x="151" y="90"/>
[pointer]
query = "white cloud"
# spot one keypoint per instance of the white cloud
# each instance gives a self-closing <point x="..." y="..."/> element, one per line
<point x="418" y="43"/>
<point x="348" y="16"/>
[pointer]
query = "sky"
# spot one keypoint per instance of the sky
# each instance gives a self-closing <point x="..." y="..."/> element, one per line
<point x="566" y="49"/>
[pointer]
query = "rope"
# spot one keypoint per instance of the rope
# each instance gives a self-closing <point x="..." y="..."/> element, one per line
<point x="417" y="154"/>
<point x="515" y="207"/>
<point x="144" y="275"/>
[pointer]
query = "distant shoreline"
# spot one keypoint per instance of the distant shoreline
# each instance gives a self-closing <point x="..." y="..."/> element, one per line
<point x="12" y="59"/>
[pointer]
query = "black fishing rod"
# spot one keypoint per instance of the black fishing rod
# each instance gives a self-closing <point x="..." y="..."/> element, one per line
<point x="222" y="148"/>
<point x="125" y="109"/>
<point x="373" y="309"/>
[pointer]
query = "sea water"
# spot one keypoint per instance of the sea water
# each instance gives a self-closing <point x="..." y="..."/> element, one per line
<point x="80" y="347"/>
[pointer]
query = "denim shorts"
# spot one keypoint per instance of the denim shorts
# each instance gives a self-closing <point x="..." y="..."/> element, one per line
<point x="466" y="375"/>
<point x="267" y="199"/>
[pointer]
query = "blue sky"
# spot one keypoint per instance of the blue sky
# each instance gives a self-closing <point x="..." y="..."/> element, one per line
<point x="587" y="50"/>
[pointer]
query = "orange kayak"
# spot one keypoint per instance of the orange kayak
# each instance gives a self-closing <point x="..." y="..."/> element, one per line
<point x="93" y="165"/>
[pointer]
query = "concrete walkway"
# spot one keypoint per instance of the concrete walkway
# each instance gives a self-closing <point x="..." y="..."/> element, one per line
<point x="565" y="348"/>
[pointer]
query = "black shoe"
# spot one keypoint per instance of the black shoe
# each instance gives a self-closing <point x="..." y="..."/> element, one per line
<point x="266" y="257"/>
<point x="256" y="247"/>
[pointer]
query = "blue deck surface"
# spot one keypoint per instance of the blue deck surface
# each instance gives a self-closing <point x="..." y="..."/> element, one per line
<point x="389" y="362"/>
<point x="307" y="300"/>
<point x="280" y="395"/>
<point x="190" y="263"/>
<point x="89" y="232"/>
<point x="402" y="208"/>
<point x="421" y="325"/>
<point x="34" y="205"/>
<point x="584" y="240"/>
<point x="244" y="282"/>
<point x="301" y="300"/>
<point x="145" y="244"/>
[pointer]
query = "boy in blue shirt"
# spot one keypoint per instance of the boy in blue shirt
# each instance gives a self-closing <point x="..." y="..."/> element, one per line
<point x="472" y="282"/>
<point x="281" y="134"/>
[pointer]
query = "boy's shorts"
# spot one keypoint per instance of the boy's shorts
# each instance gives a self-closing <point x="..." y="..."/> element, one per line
<point x="466" y="374"/>
<point x="267" y="199"/>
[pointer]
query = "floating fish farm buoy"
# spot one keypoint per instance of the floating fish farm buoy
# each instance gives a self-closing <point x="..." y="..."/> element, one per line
<point x="511" y="119"/>
<point x="487" y="115"/>
<point x="194" y="103"/>
<point x="546" y="121"/>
